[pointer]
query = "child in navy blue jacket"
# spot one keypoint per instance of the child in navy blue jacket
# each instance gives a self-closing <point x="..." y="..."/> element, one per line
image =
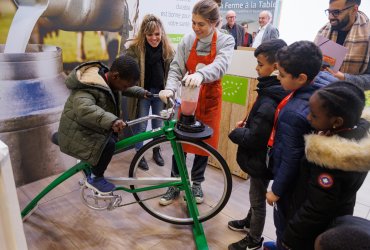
<point x="251" y="136"/>
<point x="298" y="65"/>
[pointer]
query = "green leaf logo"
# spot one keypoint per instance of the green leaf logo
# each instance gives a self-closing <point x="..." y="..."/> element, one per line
<point x="234" y="89"/>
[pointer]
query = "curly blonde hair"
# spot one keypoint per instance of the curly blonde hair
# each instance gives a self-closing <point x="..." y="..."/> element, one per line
<point x="148" y="25"/>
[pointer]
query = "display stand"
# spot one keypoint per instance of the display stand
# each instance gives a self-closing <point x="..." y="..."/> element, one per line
<point x="243" y="65"/>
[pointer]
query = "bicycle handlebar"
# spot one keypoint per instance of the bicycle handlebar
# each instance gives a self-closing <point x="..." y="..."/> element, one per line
<point x="166" y="114"/>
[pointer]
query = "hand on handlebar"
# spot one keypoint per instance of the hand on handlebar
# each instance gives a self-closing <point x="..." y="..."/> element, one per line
<point x="165" y="94"/>
<point x="148" y="94"/>
<point x="118" y="125"/>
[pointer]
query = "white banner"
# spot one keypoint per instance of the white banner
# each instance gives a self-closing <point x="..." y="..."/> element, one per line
<point x="175" y="15"/>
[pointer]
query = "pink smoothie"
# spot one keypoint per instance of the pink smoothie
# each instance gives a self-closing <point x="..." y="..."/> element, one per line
<point x="188" y="108"/>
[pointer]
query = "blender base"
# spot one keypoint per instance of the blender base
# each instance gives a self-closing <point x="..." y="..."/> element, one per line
<point x="205" y="134"/>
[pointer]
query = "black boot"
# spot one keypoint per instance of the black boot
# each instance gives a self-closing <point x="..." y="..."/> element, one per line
<point x="157" y="156"/>
<point x="143" y="165"/>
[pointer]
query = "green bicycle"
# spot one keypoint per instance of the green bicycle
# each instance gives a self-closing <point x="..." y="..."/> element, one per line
<point x="148" y="186"/>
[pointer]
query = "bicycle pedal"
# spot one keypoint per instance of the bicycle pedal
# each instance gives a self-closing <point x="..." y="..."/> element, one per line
<point x="100" y="195"/>
<point x="115" y="203"/>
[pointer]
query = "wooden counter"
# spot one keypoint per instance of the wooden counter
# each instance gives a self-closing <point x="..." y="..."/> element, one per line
<point x="243" y="65"/>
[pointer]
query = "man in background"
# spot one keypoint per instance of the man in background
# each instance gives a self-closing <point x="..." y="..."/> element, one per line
<point x="266" y="31"/>
<point x="234" y="29"/>
<point x="350" y="28"/>
<point x="248" y="40"/>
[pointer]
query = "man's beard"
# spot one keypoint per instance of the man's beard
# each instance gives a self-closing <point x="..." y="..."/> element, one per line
<point x="341" y="24"/>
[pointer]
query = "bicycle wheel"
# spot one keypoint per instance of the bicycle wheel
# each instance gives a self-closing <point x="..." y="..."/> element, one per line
<point x="216" y="186"/>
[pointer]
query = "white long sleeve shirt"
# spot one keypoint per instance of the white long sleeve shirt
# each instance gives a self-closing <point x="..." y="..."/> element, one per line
<point x="211" y="72"/>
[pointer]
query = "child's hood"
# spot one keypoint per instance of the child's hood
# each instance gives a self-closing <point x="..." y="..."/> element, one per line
<point x="335" y="152"/>
<point x="87" y="75"/>
<point x="270" y="86"/>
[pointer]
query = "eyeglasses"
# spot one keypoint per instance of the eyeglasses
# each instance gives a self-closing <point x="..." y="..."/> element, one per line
<point x="229" y="17"/>
<point x="336" y="13"/>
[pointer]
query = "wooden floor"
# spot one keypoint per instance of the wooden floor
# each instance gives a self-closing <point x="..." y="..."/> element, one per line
<point x="62" y="221"/>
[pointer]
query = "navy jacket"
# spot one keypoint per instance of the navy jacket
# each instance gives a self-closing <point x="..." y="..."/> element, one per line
<point x="292" y="125"/>
<point x="252" y="139"/>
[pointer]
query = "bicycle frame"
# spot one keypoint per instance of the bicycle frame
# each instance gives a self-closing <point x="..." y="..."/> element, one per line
<point x="182" y="183"/>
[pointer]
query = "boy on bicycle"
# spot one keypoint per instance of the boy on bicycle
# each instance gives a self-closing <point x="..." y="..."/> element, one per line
<point x="90" y="120"/>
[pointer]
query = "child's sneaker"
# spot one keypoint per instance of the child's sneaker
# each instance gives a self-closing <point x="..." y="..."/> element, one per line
<point x="269" y="245"/>
<point x="100" y="184"/>
<point x="196" y="189"/>
<point x="239" y="225"/>
<point x="171" y="194"/>
<point x="246" y="243"/>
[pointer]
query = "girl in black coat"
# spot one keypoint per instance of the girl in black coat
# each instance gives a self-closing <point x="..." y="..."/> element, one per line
<point x="336" y="162"/>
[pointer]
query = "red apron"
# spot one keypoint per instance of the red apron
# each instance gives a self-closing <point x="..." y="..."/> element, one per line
<point x="210" y="97"/>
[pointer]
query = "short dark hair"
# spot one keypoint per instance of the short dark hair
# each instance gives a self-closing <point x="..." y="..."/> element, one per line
<point x="244" y="23"/>
<point x="269" y="49"/>
<point x="302" y="57"/>
<point x="358" y="2"/>
<point x="343" y="238"/>
<point x="127" y="68"/>
<point x="343" y="99"/>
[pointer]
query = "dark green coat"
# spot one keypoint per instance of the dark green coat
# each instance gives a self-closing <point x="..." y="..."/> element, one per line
<point x="89" y="112"/>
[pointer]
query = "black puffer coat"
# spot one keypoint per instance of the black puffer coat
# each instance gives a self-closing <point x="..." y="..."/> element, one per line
<point x="330" y="175"/>
<point x="252" y="139"/>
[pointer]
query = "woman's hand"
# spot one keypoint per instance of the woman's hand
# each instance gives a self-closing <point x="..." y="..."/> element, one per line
<point x="271" y="198"/>
<point x="118" y="125"/>
<point x="164" y="94"/>
<point x="193" y="80"/>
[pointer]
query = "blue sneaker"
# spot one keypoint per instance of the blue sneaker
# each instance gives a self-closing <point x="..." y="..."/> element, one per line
<point x="101" y="184"/>
<point x="269" y="245"/>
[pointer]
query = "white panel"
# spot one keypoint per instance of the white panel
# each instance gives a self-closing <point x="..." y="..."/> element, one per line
<point x="11" y="228"/>
<point x="243" y="64"/>
<point x="301" y="20"/>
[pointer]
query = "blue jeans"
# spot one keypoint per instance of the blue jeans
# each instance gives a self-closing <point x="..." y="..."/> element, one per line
<point x="144" y="107"/>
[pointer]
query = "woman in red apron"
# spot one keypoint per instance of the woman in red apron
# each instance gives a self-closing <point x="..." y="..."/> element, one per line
<point x="212" y="50"/>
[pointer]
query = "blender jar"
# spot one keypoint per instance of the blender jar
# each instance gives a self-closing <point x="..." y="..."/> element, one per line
<point x="189" y="100"/>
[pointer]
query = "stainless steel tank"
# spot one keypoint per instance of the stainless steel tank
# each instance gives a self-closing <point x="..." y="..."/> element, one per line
<point x="82" y="15"/>
<point x="32" y="97"/>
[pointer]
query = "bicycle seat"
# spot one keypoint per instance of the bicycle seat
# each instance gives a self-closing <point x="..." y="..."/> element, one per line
<point x="54" y="138"/>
